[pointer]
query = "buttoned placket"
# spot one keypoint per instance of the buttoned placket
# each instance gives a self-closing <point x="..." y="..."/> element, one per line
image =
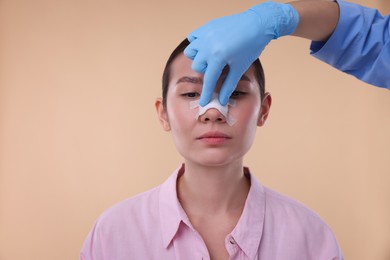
<point x="231" y="245"/>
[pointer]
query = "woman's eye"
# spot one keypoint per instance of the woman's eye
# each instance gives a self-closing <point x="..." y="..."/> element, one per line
<point x="237" y="94"/>
<point x="190" y="94"/>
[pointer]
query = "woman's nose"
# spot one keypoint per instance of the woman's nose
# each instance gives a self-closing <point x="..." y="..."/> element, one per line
<point x="212" y="115"/>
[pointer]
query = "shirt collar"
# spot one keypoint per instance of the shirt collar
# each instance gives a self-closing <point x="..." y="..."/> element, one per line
<point x="249" y="229"/>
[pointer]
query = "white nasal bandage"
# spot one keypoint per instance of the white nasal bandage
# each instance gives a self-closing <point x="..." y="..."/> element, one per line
<point x="214" y="103"/>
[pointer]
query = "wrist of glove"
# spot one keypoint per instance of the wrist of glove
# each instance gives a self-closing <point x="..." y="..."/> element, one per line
<point x="278" y="19"/>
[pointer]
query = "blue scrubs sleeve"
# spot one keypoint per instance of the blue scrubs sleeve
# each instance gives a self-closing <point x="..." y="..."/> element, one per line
<point x="359" y="45"/>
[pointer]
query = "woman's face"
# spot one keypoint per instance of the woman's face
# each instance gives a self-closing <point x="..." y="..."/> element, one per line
<point x="208" y="140"/>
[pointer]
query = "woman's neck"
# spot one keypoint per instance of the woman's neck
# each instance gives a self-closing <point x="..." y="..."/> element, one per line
<point x="204" y="190"/>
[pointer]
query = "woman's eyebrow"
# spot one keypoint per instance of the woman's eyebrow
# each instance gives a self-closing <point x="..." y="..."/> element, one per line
<point x="194" y="80"/>
<point x="245" y="78"/>
<point x="199" y="80"/>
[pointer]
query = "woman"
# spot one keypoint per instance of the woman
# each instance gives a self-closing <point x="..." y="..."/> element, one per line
<point x="211" y="207"/>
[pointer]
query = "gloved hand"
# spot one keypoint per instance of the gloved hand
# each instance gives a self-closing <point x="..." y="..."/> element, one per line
<point x="236" y="41"/>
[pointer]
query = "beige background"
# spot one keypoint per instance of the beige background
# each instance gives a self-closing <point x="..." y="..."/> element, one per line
<point x="78" y="130"/>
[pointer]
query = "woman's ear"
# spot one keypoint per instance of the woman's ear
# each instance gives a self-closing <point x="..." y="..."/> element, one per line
<point x="162" y="114"/>
<point x="264" y="110"/>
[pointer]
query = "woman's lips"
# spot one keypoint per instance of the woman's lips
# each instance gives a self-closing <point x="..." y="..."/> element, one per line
<point x="214" y="138"/>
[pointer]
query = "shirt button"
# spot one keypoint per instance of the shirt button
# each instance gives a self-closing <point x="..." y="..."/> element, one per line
<point x="232" y="241"/>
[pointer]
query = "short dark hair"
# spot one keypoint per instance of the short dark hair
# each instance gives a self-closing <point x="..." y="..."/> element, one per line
<point x="257" y="68"/>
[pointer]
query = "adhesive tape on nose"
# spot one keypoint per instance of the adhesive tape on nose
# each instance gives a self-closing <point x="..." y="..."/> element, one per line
<point x="214" y="103"/>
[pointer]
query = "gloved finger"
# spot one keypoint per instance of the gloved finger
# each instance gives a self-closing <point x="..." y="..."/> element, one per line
<point x="191" y="37"/>
<point x="199" y="64"/>
<point x="229" y="85"/>
<point x="190" y="53"/>
<point x="210" y="80"/>
<point x="192" y="50"/>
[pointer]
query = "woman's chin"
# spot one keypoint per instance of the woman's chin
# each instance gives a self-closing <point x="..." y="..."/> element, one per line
<point x="213" y="161"/>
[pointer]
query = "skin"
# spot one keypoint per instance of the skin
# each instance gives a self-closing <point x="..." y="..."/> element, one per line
<point x="317" y="18"/>
<point x="213" y="189"/>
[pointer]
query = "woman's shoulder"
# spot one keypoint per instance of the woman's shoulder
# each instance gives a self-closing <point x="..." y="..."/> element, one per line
<point x="133" y="210"/>
<point x="126" y="229"/>
<point x="289" y="223"/>
<point x="287" y="209"/>
<point x="140" y="211"/>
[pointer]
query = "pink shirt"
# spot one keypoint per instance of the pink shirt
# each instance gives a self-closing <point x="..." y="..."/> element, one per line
<point x="153" y="225"/>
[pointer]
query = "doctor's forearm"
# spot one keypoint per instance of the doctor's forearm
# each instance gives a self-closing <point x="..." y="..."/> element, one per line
<point x="317" y="19"/>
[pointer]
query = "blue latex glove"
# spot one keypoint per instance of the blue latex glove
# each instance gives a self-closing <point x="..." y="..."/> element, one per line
<point x="237" y="41"/>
